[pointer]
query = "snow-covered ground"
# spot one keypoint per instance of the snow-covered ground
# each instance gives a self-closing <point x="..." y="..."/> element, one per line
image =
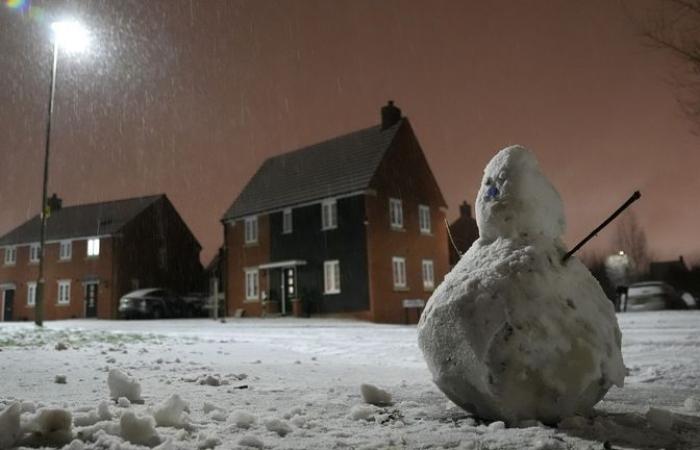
<point x="295" y="383"/>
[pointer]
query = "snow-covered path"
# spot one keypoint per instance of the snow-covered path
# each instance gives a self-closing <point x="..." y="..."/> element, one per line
<point x="305" y="375"/>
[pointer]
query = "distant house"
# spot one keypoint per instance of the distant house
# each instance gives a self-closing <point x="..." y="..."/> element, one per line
<point x="350" y="225"/>
<point x="464" y="232"/>
<point x="94" y="254"/>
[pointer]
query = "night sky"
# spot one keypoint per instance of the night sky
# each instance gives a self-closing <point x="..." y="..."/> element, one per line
<point x="189" y="97"/>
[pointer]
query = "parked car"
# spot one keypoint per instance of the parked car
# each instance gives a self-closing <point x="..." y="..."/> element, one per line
<point x="154" y="303"/>
<point x="196" y="304"/>
<point x="653" y="295"/>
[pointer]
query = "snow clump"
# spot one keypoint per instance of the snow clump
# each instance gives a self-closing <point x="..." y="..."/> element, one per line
<point x="374" y="395"/>
<point x="243" y="419"/>
<point x="250" y="441"/>
<point x="172" y="412"/>
<point x="692" y="404"/>
<point x="514" y="332"/>
<point x="278" y="426"/>
<point x="9" y="425"/>
<point x="50" y="427"/>
<point x="363" y="412"/>
<point x="122" y="385"/>
<point x="139" y="430"/>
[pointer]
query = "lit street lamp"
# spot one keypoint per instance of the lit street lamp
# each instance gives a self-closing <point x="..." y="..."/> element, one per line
<point x="71" y="37"/>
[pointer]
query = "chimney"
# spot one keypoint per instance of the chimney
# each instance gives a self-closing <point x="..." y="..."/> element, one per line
<point x="54" y="203"/>
<point x="465" y="210"/>
<point x="390" y="115"/>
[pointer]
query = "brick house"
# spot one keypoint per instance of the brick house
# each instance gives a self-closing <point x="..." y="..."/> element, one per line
<point x="94" y="254"/>
<point x="352" y="225"/>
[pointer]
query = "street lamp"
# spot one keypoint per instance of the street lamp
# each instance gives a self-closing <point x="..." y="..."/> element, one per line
<point x="73" y="38"/>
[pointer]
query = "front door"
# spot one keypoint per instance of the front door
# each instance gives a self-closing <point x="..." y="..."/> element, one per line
<point x="289" y="288"/>
<point x="8" y="307"/>
<point x="91" y="300"/>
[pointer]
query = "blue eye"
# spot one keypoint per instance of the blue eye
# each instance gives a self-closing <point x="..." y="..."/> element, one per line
<point x="492" y="192"/>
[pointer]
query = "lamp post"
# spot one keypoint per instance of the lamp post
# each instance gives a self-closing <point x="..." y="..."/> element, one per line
<point x="73" y="38"/>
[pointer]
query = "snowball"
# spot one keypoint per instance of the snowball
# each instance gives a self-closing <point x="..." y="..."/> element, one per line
<point x="243" y="419"/>
<point x="513" y="333"/>
<point x="171" y="413"/>
<point x="60" y="379"/>
<point x="498" y="425"/>
<point x="205" y="441"/>
<point x="9" y="425"/>
<point x="122" y="385"/>
<point x="250" y="441"/>
<point x="660" y="419"/>
<point x="278" y="426"/>
<point x="692" y="404"/>
<point x="363" y="412"/>
<point x="139" y="430"/>
<point x="123" y="402"/>
<point x="101" y="414"/>
<point x="374" y="395"/>
<point x="210" y="380"/>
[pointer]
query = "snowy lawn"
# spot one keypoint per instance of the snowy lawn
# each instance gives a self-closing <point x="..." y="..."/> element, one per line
<point x="295" y="383"/>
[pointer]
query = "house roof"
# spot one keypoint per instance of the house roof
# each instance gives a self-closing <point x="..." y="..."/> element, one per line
<point x="341" y="165"/>
<point x="94" y="219"/>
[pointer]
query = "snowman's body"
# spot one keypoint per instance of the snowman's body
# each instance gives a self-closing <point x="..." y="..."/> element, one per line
<point x="513" y="333"/>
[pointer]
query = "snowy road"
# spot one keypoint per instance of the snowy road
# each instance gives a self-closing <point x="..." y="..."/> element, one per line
<point x="304" y="376"/>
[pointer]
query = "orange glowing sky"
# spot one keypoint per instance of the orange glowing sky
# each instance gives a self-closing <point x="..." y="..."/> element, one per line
<point x="189" y="97"/>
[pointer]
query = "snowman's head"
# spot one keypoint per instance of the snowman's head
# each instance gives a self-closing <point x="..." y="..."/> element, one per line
<point x="516" y="200"/>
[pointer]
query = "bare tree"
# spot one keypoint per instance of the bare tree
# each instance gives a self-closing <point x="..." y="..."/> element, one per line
<point x="674" y="25"/>
<point x="630" y="238"/>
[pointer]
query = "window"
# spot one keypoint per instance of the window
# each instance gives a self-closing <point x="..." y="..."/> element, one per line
<point x="34" y="253"/>
<point x="428" y="274"/>
<point x="399" y="271"/>
<point x="424" y="219"/>
<point x="93" y="247"/>
<point x="65" y="250"/>
<point x="396" y="213"/>
<point x="331" y="277"/>
<point x="251" y="284"/>
<point x="64" y="292"/>
<point x="329" y="214"/>
<point x="10" y="256"/>
<point x="251" y="230"/>
<point x="287" y="221"/>
<point x="31" y="294"/>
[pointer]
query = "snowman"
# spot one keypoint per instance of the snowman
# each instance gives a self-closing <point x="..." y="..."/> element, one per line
<point x="513" y="333"/>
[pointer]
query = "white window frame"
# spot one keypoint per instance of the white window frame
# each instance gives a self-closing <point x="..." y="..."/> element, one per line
<point x="329" y="214"/>
<point x="398" y="270"/>
<point x="34" y="250"/>
<point x="63" y="292"/>
<point x="31" y="294"/>
<point x="252" y="284"/>
<point x="287" y="223"/>
<point x="250" y="230"/>
<point x="93" y="247"/>
<point x="10" y="256"/>
<point x="331" y="277"/>
<point x="428" y="271"/>
<point x="424" y="221"/>
<point x="65" y="250"/>
<point x="396" y="213"/>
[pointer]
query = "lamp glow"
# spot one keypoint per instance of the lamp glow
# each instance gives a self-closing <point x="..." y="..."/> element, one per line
<point x="71" y="36"/>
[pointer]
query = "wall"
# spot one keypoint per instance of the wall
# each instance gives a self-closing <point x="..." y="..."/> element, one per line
<point x="308" y="242"/>
<point x="239" y="256"/>
<point x="404" y="173"/>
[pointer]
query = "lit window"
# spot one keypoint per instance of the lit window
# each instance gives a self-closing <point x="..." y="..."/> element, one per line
<point x="428" y="274"/>
<point x="64" y="292"/>
<point x="287" y="221"/>
<point x="65" y="250"/>
<point x="396" y="213"/>
<point x="251" y="230"/>
<point x="10" y="256"/>
<point x="331" y="277"/>
<point x="93" y="247"/>
<point x="251" y="284"/>
<point x="31" y="294"/>
<point x="34" y="253"/>
<point x="329" y="214"/>
<point x="399" y="271"/>
<point x="424" y="219"/>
